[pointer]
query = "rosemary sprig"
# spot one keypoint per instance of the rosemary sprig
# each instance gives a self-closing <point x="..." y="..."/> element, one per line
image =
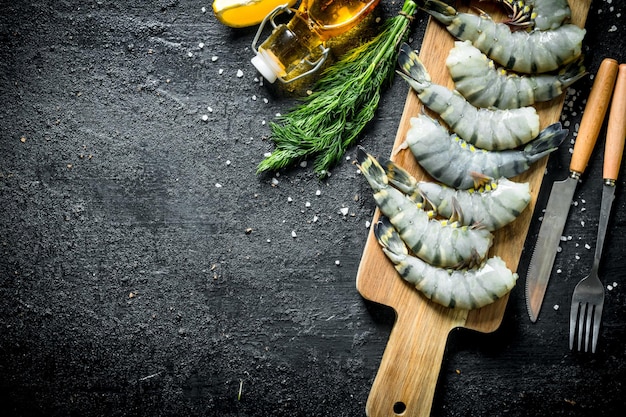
<point x="344" y="101"/>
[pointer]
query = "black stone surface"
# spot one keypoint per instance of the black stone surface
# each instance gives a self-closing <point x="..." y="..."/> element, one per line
<point x="146" y="270"/>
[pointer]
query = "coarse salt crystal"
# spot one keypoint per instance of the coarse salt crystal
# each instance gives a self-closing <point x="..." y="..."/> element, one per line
<point x="558" y="271"/>
<point x="267" y="154"/>
<point x="239" y="73"/>
<point x="274" y="181"/>
<point x="218" y="185"/>
<point x="307" y="204"/>
<point x="367" y="224"/>
<point x="609" y="287"/>
<point x="201" y="45"/>
<point x="209" y="109"/>
<point x="293" y="234"/>
<point x="228" y="162"/>
<point x="315" y="219"/>
<point x="289" y="199"/>
<point x="203" y="9"/>
<point x="303" y="164"/>
<point x="556" y="307"/>
<point x="318" y="192"/>
<point x="205" y="117"/>
<point x="587" y="246"/>
<point x="344" y="211"/>
<point x="213" y="58"/>
<point x="221" y="71"/>
<point x="337" y="262"/>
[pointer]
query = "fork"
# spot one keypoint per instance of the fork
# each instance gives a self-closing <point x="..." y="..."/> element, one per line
<point x="588" y="296"/>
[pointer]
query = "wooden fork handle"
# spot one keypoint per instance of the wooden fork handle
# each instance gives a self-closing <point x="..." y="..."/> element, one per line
<point x="616" y="130"/>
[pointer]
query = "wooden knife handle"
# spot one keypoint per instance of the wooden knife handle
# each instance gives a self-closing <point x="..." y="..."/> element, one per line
<point x="616" y="130"/>
<point x="593" y="115"/>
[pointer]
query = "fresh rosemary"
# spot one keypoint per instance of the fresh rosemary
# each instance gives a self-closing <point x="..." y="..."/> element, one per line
<point x="343" y="102"/>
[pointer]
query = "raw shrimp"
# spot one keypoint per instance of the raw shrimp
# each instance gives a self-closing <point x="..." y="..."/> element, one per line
<point x="493" y="205"/>
<point x="485" y="128"/>
<point x="478" y="79"/>
<point x="440" y="243"/>
<point x="434" y="148"/>
<point x="531" y="52"/>
<point x="538" y="14"/>
<point x="463" y="289"/>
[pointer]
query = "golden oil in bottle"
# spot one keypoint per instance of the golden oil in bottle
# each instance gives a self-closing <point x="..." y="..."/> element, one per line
<point x="302" y="40"/>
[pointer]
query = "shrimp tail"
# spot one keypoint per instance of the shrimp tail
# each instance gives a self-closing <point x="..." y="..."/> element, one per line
<point x="390" y="240"/>
<point x="546" y="142"/>
<point x="413" y="70"/>
<point x="371" y="169"/>
<point x="438" y="9"/>
<point x="573" y="72"/>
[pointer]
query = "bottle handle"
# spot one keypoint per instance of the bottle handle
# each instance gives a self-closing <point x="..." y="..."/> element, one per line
<point x="315" y="65"/>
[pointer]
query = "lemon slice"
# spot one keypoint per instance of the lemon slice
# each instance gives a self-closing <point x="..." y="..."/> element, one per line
<point x="243" y="13"/>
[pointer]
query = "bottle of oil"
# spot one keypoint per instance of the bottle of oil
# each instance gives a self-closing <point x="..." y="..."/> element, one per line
<point x="301" y="42"/>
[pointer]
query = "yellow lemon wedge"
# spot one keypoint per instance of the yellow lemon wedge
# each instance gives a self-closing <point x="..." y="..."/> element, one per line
<point x="243" y="13"/>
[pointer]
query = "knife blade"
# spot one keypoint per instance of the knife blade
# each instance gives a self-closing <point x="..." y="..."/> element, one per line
<point x="562" y="193"/>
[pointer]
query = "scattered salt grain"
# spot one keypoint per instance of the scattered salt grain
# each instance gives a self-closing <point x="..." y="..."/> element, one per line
<point x="577" y="257"/>
<point x="190" y="54"/>
<point x="293" y="234"/>
<point x="582" y="223"/>
<point x="303" y="164"/>
<point x="337" y="262"/>
<point x="201" y="45"/>
<point x="367" y="224"/>
<point x="203" y="9"/>
<point x="274" y="182"/>
<point x="265" y="101"/>
<point x="239" y="73"/>
<point x="318" y="192"/>
<point x="214" y="58"/>
<point x="587" y="246"/>
<point x="315" y="219"/>
<point x="228" y="162"/>
<point x="558" y="271"/>
<point x="609" y="287"/>
<point x="221" y="71"/>
<point x="344" y="211"/>
<point x="307" y="204"/>
<point x="253" y="98"/>
<point x="218" y="185"/>
<point x="613" y="28"/>
<point x="556" y="307"/>
<point x="209" y="109"/>
<point x="205" y="118"/>
<point x="289" y="200"/>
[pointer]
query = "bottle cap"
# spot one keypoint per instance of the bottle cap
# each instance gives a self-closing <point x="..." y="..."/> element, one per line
<point x="267" y="66"/>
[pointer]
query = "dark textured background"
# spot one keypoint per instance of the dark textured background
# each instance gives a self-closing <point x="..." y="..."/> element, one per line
<point x="131" y="284"/>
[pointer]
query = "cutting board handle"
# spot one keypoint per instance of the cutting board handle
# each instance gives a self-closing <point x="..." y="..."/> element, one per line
<point x="409" y="370"/>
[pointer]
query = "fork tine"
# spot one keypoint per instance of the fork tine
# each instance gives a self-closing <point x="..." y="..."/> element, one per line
<point x="597" y="318"/>
<point x="581" y="324"/>
<point x="588" y="321"/>
<point x="573" y="317"/>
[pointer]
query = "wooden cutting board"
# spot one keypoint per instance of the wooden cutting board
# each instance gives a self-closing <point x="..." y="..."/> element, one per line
<point x="406" y="380"/>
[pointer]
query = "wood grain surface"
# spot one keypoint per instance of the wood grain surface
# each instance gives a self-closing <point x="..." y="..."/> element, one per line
<point x="407" y="377"/>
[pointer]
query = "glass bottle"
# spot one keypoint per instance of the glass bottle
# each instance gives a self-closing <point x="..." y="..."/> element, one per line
<point x="301" y="42"/>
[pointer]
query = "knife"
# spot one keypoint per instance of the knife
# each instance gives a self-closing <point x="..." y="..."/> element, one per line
<point x="562" y="193"/>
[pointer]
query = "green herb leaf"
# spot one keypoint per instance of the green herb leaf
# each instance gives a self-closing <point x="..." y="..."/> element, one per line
<point x="345" y="99"/>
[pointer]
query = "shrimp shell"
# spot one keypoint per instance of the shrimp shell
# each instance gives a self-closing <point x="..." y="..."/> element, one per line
<point x="464" y="289"/>
<point x="476" y="77"/>
<point x="434" y="148"/>
<point x="444" y="244"/>
<point x="538" y="14"/>
<point x="531" y="52"/>
<point x="486" y="128"/>
<point x="493" y="205"/>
